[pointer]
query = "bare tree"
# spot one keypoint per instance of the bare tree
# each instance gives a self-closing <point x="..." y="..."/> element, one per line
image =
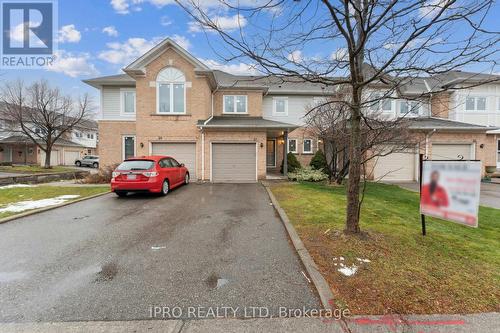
<point x="381" y="134"/>
<point x="374" y="42"/>
<point x="42" y="113"/>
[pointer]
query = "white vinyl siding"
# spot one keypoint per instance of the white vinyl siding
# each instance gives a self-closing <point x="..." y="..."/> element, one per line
<point x="111" y="104"/>
<point x="297" y="107"/>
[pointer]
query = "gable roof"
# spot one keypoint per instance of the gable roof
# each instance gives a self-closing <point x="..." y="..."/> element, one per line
<point x="138" y="66"/>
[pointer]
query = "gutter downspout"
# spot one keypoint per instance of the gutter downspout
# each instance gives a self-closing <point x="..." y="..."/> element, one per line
<point x="203" y="135"/>
<point x="427" y="137"/>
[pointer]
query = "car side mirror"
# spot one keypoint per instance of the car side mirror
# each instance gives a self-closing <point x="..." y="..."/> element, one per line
<point x="182" y="165"/>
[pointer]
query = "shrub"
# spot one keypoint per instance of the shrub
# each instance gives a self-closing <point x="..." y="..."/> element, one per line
<point x="307" y="174"/>
<point x="318" y="161"/>
<point x="293" y="163"/>
<point x="102" y="177"/>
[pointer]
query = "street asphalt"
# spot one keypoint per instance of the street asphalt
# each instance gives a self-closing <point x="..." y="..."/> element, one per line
<point x="110" y="258"/>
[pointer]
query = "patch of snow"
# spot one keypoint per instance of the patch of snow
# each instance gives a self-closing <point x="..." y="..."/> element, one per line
<point x="154" y="248"/>
<point x="68" y="196"/>
<point x="15" y="186"/>
<point x="35" y="204"/>
<point x="363" y="260"/>
<point x="348" y="271"/>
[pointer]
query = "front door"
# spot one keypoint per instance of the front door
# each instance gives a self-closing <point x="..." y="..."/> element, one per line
<point x="498" y="153"/>
<point x="271" y="153"/>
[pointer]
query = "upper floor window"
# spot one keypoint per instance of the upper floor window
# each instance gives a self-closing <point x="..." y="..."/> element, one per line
<point x="127" y="101"/>
<point x="475" y="103"/>
<point x="235" y="104"/>
<point x="171" y="91"/>
<point x="386" y="105"/>
<point x="409" y="108"/>
<point x="280" y="106"/>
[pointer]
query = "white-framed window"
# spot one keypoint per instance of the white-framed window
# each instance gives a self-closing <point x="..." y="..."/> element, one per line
<point x="170" y="92"/>
<point x="409" y="108"/>
<point x="280" y="106"/>
<point x="128" y="148"/>
<point x="475" y="103"/>
<point x="292" y="146"/>
<point x="234" y="104"/>
<point x="386" y="105"/>
<point x="127" y="101"/>
<point x="307" y="146"/>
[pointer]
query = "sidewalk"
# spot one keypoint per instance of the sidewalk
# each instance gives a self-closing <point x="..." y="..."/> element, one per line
<point x="477" y="323"/>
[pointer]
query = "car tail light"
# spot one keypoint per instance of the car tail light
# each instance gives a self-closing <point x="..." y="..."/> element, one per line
<point x="115" y="174"/>
<point x="150" y="174"/>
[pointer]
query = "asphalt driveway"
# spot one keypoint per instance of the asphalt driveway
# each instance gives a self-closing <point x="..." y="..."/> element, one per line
<point x="490" y="193"/>
<point x="112" y="259"/>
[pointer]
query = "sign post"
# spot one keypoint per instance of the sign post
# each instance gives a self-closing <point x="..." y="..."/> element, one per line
<point x="450" y="190"/>
<point x="420" y="165"/>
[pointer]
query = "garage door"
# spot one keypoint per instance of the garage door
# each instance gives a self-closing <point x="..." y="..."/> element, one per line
<point x="70" y="157"/>
<point x="54" y="157"/>
<point x="234" y="162"/>
<point x="182" y="152"/>
<point x="451" y="151"/>
<point x="398" y="166"/>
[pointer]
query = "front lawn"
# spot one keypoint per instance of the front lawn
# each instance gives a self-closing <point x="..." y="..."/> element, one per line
<point x="28" y="169"/>
<point x="16" y="200"/>
<point x="454" y="269"/>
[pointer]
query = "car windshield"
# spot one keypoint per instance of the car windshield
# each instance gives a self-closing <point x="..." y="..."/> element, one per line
<point x="136" y="165"/>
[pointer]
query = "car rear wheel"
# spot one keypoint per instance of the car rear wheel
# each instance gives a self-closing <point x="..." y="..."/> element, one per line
<point x="186" y="179"/>
<point x="78" y="163"/>
<point x="95" y="165"/>
<point x="165" y="188"/>
<point x="121" y="194"/>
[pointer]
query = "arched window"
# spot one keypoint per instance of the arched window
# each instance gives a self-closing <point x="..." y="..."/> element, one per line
<point x="171" y="91"/>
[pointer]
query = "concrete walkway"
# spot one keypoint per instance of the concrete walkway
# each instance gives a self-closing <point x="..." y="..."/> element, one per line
<point x="477" y="323"/>
<point x="490" y="193"/>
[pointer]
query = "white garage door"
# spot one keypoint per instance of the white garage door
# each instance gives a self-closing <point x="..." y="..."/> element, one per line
<point x="54" y="157"/>
<point x="398" y="166"/>
<point x="70" y="157"/>
<point x="182" y="152"/>
<point x="441" y="151"/>
<point x="234" y="162"/>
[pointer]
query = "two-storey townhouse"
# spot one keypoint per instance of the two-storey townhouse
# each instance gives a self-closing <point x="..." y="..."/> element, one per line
<point x="225" y="127"/>
<point x="471" y="98"/>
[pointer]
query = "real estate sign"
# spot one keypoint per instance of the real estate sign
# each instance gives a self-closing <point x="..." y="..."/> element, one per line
<point x="450" y="190"/>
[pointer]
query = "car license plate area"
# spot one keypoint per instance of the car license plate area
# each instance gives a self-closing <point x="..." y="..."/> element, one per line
<point x="131" y="177"/>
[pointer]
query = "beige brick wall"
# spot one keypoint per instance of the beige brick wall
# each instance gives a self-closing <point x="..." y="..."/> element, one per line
<point x="222" y="136"/>
<point x="110" y="140"/>
<point x="440" y="105"/>
<point x="487" y="154"/>
<point x="254" y="101"/>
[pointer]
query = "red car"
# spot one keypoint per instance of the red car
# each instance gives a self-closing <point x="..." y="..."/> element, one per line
<point x="155" y="174"/>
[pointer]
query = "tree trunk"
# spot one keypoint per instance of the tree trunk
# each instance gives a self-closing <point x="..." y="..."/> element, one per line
<point x="47" y="158"/>
<point x="355" y="159"/>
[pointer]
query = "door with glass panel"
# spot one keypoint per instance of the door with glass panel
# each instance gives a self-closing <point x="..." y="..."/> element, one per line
<point x="271" y="153"/>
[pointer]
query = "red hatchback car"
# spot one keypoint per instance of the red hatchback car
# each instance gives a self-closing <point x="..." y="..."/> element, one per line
<point x="155" y="174"/>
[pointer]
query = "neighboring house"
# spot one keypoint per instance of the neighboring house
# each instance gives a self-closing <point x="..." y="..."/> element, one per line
<point x="234" y="128"/>
<point x="17" y="148"/>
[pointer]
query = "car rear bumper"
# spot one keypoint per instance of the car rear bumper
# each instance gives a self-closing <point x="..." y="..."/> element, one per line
<point x="152" y="185"/>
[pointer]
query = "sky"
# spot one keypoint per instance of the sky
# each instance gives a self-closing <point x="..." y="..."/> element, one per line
<point x="99" y="37"/>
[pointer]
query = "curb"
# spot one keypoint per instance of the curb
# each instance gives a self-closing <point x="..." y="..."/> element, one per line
<point x="319" y="282"/>
<point x="41" y="210"/>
